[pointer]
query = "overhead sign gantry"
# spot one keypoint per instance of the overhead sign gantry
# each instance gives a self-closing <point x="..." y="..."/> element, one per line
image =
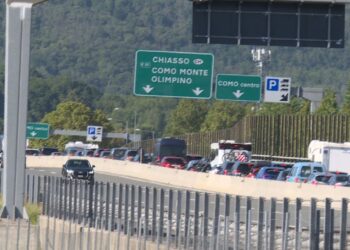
<point x="295" y="23"/>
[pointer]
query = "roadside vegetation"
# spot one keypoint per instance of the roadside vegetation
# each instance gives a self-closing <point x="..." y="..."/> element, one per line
<point x="34" y="211"/>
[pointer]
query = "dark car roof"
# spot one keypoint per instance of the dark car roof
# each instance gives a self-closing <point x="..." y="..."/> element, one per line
<point x="78" y="163"/>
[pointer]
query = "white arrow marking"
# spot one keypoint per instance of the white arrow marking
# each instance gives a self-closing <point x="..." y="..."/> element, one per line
<point x="238" y="93"/>
<point x="197" y="91"/>
<point x="33" y="134"/>
<point x="148" y="89"/>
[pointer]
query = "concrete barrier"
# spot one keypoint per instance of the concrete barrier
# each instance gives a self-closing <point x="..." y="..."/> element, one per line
<point x="202" y="181"/>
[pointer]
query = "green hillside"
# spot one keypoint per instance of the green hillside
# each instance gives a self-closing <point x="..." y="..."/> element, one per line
<point x="90" y="45"/>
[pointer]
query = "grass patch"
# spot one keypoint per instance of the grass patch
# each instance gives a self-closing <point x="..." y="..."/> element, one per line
<point x="34" y="212"/>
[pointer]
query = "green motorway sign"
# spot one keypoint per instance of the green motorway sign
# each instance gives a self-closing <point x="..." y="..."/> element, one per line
<point x="37" y="130"/>
<point x="242" y="88"/>
<point x="173" y="74"/>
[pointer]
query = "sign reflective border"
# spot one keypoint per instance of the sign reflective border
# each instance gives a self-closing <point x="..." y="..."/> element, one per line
<point x="173" y="74"/>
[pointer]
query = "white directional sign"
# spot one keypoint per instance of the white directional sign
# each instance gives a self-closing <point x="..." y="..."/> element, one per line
<point x="94" y="133"/>
<point x="277" y="89"/>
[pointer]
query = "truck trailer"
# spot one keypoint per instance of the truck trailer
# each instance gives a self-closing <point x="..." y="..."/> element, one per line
<point x="335" y="156"/>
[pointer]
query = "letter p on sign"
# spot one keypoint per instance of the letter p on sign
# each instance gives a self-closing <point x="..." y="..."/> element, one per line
<point x="272" y="84"/>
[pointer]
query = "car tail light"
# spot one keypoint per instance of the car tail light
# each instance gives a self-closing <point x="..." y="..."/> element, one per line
<point x="296" y="179"/>
<point x="225" y="172"/>
<point x="314" y="182"/>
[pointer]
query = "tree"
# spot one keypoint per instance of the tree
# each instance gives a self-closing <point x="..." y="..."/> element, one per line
<point x="187" y="117"/>
<point x="223" y="115"/>
<point x="328" y="105"/>
<point x="296" y="106"/>
<point x="71" y="116"/>
<point x="346" y="104"/>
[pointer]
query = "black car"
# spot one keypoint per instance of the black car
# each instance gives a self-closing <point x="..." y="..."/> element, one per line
<point x="78" y="169"/>
<point x="47" y="150"/>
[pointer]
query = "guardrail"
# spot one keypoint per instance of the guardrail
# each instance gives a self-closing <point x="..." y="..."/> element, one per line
<point x="186" y="219"/>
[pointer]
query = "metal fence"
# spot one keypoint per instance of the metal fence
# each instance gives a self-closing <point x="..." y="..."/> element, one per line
<point x="274" y="135"/>
<point x="183" y="219"/>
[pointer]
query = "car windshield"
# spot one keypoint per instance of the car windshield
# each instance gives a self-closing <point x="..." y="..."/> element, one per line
<point x="78" y="164"/>
<point x="305" y="171"/>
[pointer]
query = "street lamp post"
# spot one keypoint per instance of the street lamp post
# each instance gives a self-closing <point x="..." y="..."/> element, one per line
<point x="261" y="57"/>
<point x="126" y="123"/>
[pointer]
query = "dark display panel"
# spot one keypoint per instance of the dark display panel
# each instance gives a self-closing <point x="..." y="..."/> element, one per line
<point x="296" y="24"/>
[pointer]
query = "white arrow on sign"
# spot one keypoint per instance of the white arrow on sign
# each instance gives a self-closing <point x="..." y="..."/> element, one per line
<point x="197" y="91"/>
<point x="238" y="93"/>
<point x="147" y="89"/>
<point x="33" y="133"/>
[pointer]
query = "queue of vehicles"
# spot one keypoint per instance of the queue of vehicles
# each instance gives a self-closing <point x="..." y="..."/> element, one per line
<point x="327" y="165"/>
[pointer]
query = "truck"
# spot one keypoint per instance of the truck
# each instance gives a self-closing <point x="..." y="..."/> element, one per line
<point x="334" y="156"/>
<point x="169" y="147"/>
<point x="229" y="150"/>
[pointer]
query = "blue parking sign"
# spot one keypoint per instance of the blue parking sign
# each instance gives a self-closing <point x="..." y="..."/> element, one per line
<point x="91" y="130"/>
<point x="272" y="84"/>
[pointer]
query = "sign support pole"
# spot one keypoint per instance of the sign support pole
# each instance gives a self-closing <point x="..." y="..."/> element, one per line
<point x="18" y="20"/>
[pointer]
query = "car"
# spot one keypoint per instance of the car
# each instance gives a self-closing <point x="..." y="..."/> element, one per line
<point x="319" y="178"/>
<point x="78" y="169"/>
<point x="47" y="150"/>
<point x="173" y="162"/>
<point x="241" y="168"/>
<point x="341" y="179"/>
<point x="301" y="171"/>
<point x="88" y="152"/>
<point x="97" y="152"/>
<point x="32" y="151"/>
<point x="269" y="173"/>
<point x="105" y="154"/>
<point x="56" y="153"/>
<point x="202" y="165"/>
<point x="256" y="165"/>
<point x="282" y="176"/>
<point x="123" y="154"/>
